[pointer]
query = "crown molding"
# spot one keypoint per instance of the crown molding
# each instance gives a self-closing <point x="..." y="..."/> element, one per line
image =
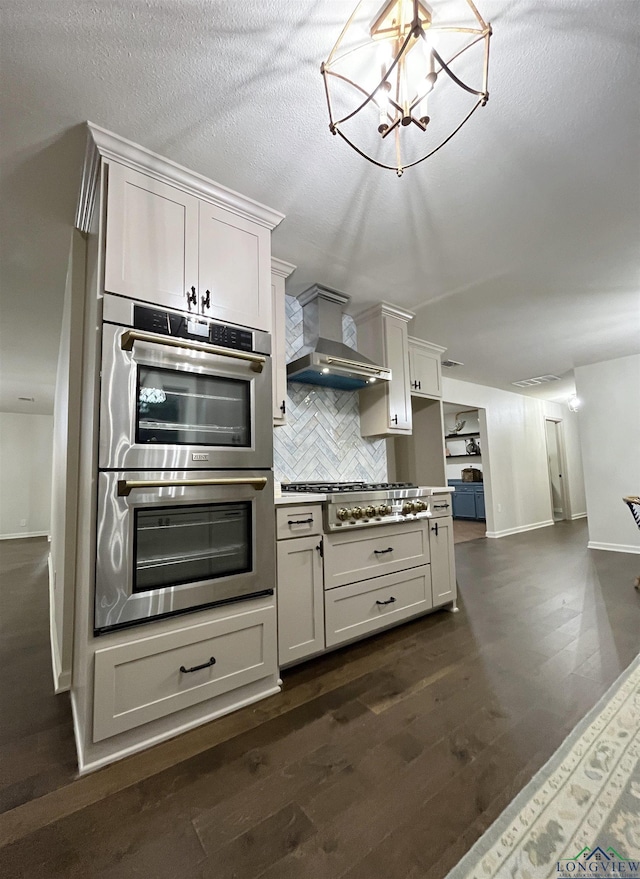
<point x="281" y="268"/>
<point x="106" y="146"/>
<point x="384" y="309"/>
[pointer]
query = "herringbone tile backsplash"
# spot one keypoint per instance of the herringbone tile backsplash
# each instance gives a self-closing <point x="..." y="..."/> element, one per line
<point x="321" y="439"/>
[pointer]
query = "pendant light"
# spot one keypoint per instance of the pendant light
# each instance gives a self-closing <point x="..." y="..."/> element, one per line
<point x="391" y="64"/>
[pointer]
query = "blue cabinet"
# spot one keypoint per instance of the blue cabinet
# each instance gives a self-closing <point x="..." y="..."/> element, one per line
<point x="468" y="499"/>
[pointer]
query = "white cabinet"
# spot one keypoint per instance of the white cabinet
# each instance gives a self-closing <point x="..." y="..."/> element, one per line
<point x="280" y="270"/>
<point x="425" y="368"/>
<point x="299" y="588"/>
<point x="188" y="245"/>
<point x="385" y="407"/>
<point x="150" y="677"/>
<point x="443" y="566"/>
<point x="152" y="239"/>
<point x="364" y="608"/>
<point x="360" y="554"/>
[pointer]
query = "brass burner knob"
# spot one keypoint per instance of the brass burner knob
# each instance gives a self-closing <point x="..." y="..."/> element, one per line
<point x="343" y="514"/>
<point x="420" y="506"/>
<point x="407" y="507"/>
<point x="369" y="512"/>
<point x="356" y="513"/>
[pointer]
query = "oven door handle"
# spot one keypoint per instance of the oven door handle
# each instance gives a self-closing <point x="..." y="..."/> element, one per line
<point x="126" y="486"/>
<point x="256" y="361"/>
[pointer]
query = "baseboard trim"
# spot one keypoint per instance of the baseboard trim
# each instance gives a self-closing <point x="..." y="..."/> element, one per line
<point x="520" y="529"/>
<point x="61" y="679"/>
<point x="86" y="767"/>
<point x="578" y="516"/>
<point x="613" y="547"/>
<point x="24" y="534"/>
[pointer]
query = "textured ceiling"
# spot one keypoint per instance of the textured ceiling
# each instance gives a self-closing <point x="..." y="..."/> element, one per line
<point x="517" y="243"/>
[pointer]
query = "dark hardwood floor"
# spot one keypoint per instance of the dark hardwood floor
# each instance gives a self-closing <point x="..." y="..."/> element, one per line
<point x="384" y="759"/>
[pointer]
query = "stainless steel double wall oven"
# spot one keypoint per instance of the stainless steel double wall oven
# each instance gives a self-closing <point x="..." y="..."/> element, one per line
<point x="185" y="486"/>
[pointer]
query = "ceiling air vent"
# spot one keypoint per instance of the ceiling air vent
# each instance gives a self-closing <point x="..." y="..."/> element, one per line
<point x="451" y="363"/>
<point x="538" y="380"/>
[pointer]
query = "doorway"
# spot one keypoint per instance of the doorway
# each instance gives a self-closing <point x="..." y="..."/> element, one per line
<point x="466" y="470"/>
<point x="556" y="469"/>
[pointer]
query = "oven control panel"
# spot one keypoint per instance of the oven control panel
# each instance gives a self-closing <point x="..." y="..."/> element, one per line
<point x="185" y="326"/>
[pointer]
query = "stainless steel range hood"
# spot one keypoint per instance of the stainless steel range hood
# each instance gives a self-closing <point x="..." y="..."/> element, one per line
<point x="324" y="359"/>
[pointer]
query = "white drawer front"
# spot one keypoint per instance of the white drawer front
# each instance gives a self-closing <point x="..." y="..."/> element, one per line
<point x="361" y="608"/>
<point x="141" y="681"/>
<point x="298" y="521"/>
<point x="357" y="555"/>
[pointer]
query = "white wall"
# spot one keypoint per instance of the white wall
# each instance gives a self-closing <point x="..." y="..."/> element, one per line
<point x="514" y="455"/>
<point x="609" y="416"/>
<point x="25" y="474"/>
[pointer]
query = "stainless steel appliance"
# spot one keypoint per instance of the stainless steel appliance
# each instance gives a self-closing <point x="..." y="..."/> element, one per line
<point x="174" y="541"/>
<point x="363" y="505"/>
<point x="324" y="359"/>
<point x="179" y="391"/>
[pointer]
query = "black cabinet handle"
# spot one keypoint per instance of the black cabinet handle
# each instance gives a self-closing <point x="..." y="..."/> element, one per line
<point x="441" y="506"/>
<point x="395" y="419"/>
<point x="320" y="548"/>
<point x="382" y="551"/>
<point x="435" y="528"/>
<point x="388" y="601"/>
<point x="192" y="297"/>
<point x="206" y="300"/>
<point x="187" y="671"/>
<point x="283" y="407"/>
<point x="300" y="521"/>
<point x="419" y="385"/>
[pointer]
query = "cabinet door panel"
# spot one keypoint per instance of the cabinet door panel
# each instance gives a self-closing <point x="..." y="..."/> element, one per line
<point x="152" y="239"/>
<point x="425" y="373"/>
<point x="142" y="680"/>
<point x="362" y="608"/>
<point x="443" y="566"/>
<point x="234" y="266"/>
<point x="480" y="511"/>
<point x="464" y="505"/>
<point x="300" y="599"/>
<point x="397" y="358"/>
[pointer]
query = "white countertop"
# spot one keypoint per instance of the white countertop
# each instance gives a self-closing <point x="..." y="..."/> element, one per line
<point x="291" y="497"/>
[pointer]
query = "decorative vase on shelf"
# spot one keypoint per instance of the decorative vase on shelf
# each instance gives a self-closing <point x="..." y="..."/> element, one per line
<point x="472" y="447"/>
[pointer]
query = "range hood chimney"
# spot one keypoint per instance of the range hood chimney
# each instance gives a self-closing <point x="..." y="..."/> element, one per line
<point x="324" y="359"/>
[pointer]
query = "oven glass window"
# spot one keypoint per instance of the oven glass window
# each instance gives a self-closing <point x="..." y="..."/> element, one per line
<point x="175" y="545"/>
<point x="186" y="408"/>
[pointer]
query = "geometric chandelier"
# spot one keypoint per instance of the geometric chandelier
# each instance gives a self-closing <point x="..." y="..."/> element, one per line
<point x="397" y="80"/>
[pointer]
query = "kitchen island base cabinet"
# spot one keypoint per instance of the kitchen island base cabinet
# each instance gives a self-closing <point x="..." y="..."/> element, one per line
<point x="443" y="566"/>
<point x="148" y="678"/>
<point x="360" y="609"/>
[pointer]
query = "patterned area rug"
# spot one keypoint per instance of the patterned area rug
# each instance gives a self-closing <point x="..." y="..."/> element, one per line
<point x="580" y="815"/>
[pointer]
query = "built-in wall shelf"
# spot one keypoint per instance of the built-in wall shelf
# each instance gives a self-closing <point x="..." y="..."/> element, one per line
<point x="467" y="455"/>
<point x="461" y="435"/>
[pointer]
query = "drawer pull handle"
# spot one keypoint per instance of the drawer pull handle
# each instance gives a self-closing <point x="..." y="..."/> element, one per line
<point x="441" y="506"/>
<point x="300" y="521"/>
<point x="186" y="671"/>
<point x="382" y="551"/>
<point x="388" y="601"/>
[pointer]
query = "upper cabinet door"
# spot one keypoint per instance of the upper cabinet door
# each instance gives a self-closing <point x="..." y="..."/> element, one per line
<point x="152" y="239"/>
<point x="234" y="268"/>
<point x="397" y="358"/>
<point x="425" y="369"/>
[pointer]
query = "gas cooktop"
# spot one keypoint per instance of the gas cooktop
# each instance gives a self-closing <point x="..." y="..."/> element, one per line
<point x="336" y="487"/>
